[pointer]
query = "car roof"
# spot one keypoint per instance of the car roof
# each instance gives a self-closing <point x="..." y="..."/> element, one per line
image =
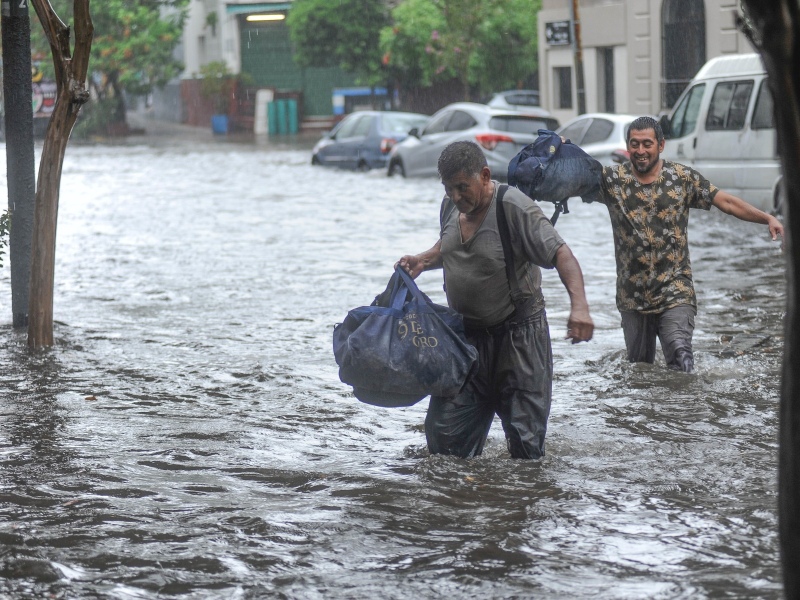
<point x="382" y="112"/>
<point x="617" y="118"/>
<point x="533" y="111"/>
<point x="613" y="117"/>
<point x="504" y="92"/>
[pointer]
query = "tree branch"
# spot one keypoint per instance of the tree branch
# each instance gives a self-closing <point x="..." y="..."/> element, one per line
<point x="84" y="32"/>
<point x="54" y="29"/>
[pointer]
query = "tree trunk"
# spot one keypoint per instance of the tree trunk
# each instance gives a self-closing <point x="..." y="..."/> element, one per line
<point x="20" y="159"/>
<point x="777" y="25"/>
<point x="71" y="95"/>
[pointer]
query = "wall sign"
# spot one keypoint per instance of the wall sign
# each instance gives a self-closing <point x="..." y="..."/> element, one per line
<point x="558" y="33"/>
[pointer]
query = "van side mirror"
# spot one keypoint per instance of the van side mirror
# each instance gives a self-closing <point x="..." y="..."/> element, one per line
<point x="665" y="125"/>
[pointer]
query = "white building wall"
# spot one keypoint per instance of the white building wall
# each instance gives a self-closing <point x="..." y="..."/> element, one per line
<point x="645" y="57"/>
<point x="633" y="29"/>
<point x="621" y="78"/>
<point x="204" y="43"/>
<point x="590" y="78"/>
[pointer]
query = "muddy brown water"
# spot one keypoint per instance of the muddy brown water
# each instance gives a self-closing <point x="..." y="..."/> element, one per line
<point x="188" y="436"/>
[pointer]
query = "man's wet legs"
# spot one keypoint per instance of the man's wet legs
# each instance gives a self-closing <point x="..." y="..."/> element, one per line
<point x="514" y="380"/>
<point x="640" y="332"/>
<point x="674" y="328"/>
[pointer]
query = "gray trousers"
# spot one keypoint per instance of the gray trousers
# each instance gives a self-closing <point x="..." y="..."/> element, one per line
<point x="514" y="380"/>
<point x="673" y="327"/>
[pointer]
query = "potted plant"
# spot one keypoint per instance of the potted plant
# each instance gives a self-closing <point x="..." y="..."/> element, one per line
<point x="216" y="83"/>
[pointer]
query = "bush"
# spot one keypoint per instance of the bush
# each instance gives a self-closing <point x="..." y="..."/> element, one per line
<point x="216" y="84"/>
<point x="96" y="118"/>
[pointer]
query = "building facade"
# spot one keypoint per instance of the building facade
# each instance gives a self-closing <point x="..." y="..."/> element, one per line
<point x="252" y="38"/>
<point x="637" y="55"/>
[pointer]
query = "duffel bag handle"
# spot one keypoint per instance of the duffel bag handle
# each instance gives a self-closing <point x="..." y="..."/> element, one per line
<point x="411" y="285"/>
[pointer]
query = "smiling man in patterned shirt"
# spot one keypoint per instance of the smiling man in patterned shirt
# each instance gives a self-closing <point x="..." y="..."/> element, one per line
<point x="648" y="200"/>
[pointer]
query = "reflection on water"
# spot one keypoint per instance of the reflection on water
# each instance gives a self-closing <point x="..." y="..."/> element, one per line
<point x="188" y="437"/>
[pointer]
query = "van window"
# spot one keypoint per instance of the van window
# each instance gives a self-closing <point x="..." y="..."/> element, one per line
<point x="728" y="106"/>
<point x="684" y="119"/>
<point x="763" y="117"/>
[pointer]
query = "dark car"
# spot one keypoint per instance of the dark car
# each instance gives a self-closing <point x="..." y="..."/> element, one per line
<point x="363" y="139"/>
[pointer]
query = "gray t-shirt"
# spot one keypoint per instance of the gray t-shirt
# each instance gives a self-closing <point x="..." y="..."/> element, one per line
<point x="475" y="276"/>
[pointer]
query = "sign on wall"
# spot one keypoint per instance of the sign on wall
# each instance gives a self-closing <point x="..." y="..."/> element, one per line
<point x="558" y="33"/>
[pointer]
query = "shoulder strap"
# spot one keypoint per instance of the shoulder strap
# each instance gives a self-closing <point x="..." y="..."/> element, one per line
<point x="508" y="252"/>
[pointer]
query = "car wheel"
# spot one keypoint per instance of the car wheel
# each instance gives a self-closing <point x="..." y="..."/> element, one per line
<point x="363" y="166"/>
<point x="396" y="168"/>
<point x="315" y="161"/>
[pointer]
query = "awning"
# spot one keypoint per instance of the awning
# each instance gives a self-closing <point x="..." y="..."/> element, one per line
<point x="261" y="7"/>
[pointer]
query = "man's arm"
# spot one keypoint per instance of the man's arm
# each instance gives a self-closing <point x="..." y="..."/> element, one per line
<point x="730" y="204"/>
<point x="580" y="327"/>
<point x="414" y="264"/>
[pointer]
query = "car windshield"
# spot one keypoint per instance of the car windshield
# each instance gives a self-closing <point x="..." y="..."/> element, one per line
<point x="522" y="124"/>
<point x="396" y="123"/>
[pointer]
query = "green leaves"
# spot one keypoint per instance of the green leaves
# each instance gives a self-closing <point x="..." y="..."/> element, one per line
<point x="489" y="44"/>
<point x="133" y="41"/>
<point x="344" y="33"/>
<point x="412" y="46"/>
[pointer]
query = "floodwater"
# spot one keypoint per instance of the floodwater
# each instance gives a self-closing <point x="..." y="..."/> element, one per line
<point x="188" y="436"/>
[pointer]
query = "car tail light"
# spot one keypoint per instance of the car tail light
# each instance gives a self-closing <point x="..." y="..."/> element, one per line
<point x="620" y="156"/>
<point x="387" y="144"/>
<point x="489" y="141"/>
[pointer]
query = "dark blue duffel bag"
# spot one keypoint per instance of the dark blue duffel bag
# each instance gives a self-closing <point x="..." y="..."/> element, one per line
<point x="403" y="347"/>
<point x="551" y="170"/>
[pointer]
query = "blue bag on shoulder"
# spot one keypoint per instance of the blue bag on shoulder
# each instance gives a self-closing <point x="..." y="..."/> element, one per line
<point x="551" y="170"/>
<point x="403" y="347"/>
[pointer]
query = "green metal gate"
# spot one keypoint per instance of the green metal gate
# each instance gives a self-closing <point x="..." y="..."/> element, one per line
<point x="266" y="52"/>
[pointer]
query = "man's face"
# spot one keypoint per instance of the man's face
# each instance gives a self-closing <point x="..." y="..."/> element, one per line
<point x="644" y="149"/>
<point x="469" y="192"/>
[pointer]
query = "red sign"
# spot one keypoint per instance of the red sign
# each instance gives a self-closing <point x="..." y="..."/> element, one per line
<point x="44" y="98"/>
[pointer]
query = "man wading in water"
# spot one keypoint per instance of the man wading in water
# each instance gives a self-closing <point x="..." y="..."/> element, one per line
<point x="648" y="200"/>
<point x="515" y="373"/>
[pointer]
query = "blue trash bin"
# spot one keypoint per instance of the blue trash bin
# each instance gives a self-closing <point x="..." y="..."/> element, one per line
<point x="219" y="124"/>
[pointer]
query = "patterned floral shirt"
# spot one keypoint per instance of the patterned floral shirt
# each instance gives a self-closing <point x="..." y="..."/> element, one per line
<point x="651" y="242"/>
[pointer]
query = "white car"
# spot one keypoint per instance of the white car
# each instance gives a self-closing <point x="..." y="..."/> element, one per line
<point x="500" y="133"/>
<point x="515" y="99"/>
<point x="600" y="135"/>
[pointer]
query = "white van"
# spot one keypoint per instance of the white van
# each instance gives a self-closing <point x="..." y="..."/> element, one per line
<point x="723" y="126"/>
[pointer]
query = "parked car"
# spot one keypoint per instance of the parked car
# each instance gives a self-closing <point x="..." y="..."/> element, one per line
<point x="500" y="133"/>
<point x="600" y="135"/>
<point x="515" y="99"/>
<point x="362" y="140"/>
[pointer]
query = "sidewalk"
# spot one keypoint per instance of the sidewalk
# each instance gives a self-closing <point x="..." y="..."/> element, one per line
<point x="171" y="130"/>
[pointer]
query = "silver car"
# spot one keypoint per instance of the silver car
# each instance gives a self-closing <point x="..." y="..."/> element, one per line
<point x="600" y="135"/>
<point x="515" y="99"/>
<point x="500" y="133"/>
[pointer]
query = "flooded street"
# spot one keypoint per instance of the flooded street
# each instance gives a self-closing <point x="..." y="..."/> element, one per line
<point x="188" y="436"/>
